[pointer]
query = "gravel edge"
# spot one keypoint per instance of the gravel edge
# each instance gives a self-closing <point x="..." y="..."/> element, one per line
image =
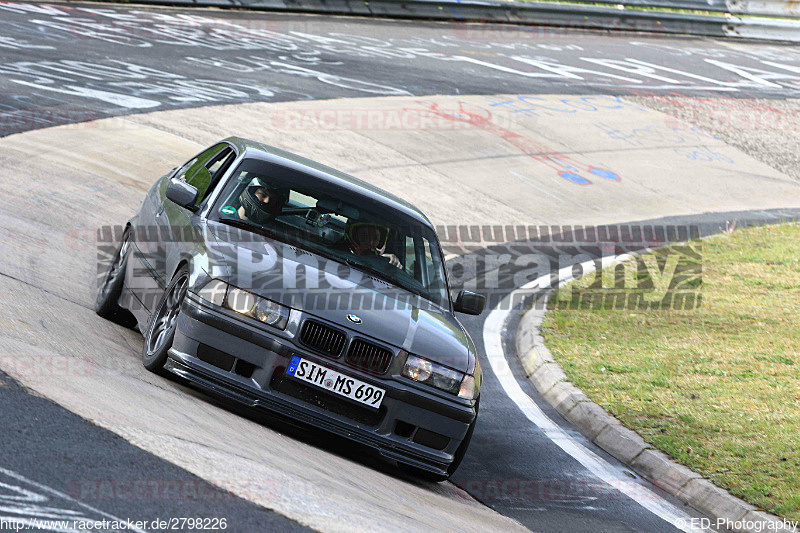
<point x="765" y="129"/>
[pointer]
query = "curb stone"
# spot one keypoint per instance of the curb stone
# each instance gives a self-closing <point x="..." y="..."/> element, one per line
<point x="624" y="444"/>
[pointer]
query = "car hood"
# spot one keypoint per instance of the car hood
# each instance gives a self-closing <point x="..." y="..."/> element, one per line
<point x="326" y="289"/>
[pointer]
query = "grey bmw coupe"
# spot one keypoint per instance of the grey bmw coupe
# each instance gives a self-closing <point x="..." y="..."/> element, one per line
<point x="286" y="285"/>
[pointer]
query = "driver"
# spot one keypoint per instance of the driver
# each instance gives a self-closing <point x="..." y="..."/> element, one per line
<point x="370" y="239"/>
<point x="259" y="204"/>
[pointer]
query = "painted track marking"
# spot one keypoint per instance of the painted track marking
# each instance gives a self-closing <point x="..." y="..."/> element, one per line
<point x="493" y="330"/>
<point x="53" y="492"/>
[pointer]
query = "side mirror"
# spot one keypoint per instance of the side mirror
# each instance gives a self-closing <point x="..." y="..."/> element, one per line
<point x="469" y="303"/>
<point x="182" y="194"/>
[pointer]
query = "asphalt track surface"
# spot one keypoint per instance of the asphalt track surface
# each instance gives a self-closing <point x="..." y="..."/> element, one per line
<point x="69" y="63"/>
<point x="564" y="497"/>
<point x="44" y="444"/>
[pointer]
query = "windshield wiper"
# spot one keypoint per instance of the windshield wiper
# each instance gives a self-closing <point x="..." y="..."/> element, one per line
<point x="243" y="224"/>
<point x="255" y="228"/>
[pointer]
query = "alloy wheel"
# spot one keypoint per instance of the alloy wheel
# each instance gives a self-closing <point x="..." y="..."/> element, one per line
<point x="167" y="316"/>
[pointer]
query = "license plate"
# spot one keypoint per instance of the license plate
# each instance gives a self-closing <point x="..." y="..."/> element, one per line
<point x="333" y="381"/>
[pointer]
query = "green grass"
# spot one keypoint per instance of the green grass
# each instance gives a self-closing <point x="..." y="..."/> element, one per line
<point x="718" y="387"/>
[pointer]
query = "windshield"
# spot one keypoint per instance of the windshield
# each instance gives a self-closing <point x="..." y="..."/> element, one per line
<point x="337" y="223"/>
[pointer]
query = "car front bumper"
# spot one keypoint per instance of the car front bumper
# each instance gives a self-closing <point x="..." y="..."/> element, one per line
<point x="245" y="363"/>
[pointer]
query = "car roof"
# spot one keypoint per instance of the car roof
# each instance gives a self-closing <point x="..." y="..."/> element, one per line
<point x="257" y="150"/>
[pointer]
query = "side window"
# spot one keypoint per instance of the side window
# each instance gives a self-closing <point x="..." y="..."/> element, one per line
<point x="298" y="199"/>
<point x="205" y="179"/>
<point x="181" y="172"/>
<point x="420" y="262"/>
<point x="202" y="170"/>
<point x="433" y="258"/>
<point x="411" y="257"/>
<point x="220" y="162"/>
<point x="187" y="171"/>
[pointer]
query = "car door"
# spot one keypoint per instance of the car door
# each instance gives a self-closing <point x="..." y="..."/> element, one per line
<point x="141" y="278"/>
<point x="146" y="236"/>
<point x="176" y="231"/>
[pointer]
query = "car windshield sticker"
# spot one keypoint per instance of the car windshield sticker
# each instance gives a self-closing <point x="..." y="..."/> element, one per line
<point x="228" y="210"/>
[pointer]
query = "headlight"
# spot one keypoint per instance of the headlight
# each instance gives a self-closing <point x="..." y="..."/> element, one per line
<point x="214" y="292"/>
<point x="438" y="376"/>
<point x="240" y="301"/>
<point x="246" y="303"/>
<point x="271" y="313"/>
<point x="417" y="368"/>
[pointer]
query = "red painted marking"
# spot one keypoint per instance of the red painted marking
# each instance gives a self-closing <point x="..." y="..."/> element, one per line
<point x="482" y="119"/>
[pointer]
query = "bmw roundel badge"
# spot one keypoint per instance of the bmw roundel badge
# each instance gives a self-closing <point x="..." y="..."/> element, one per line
<point x="354" y="319"/>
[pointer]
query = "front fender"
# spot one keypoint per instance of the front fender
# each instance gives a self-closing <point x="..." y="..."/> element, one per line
<point x="193" y="250"/>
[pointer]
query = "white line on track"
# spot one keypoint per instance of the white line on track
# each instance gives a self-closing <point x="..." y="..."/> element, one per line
<point x="493" y="330"/>
<point x="53" y="492"/>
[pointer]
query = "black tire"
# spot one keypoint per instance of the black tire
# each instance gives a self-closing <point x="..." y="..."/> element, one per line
<point x="459" y="456"/>
<point x="110" y="289"/>
<point x="161" y="330"/>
